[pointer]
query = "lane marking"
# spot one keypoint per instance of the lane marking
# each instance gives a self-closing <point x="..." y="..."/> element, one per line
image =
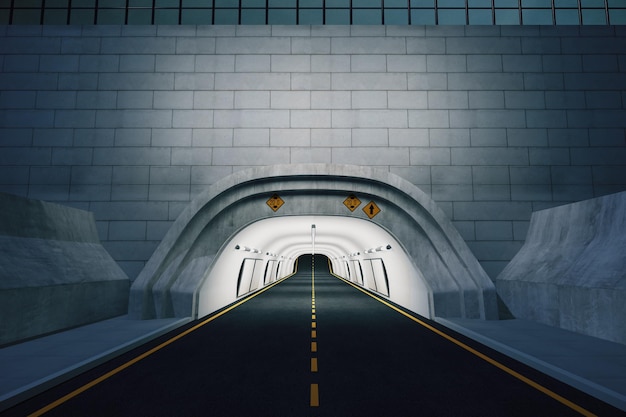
<point x="313" y="364"/>
<point x="312" y="316"/>
<point x="313" y="334"/>
<point x="144" y="355"/>
<point x="313" y="346"/>
<point x="315" y="396"/>
<point x="484" y="357"/>
<point x="313" y="325"/>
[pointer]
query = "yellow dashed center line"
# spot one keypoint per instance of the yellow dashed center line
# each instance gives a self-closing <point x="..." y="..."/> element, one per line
<point x="313" y="346"/>
<point x="315" y="397"/>
<point x="313" y="364"/>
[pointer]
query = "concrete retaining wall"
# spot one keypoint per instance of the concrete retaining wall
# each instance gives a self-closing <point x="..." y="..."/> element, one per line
<point x="571" y="272"/>
<point x="54" y="273"/>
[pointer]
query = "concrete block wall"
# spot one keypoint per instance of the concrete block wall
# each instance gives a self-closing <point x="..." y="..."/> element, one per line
<point x="131" y="122"/>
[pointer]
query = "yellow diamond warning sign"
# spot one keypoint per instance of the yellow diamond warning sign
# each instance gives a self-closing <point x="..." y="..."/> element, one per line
<point x="275" y="202"/>
<point x="371" y="209"/>
<point x="352" y="202"/>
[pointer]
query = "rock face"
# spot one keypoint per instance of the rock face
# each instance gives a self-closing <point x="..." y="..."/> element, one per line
<point x="54" y="273"/>
<point x="571" y="272"/>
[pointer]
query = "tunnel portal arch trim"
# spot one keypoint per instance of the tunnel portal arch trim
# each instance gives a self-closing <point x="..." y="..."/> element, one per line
<point x="167" y="284"/>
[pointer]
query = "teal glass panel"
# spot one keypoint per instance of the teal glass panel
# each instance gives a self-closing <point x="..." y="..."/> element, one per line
<point x="451" y="16"/>
<point x="252" y="16"/>
<point x="55" y="17"/>
<point x="337" y="3"/>
<point x="27" y="3"/>
<point x="422" y="17"/>
<point x="507" y="17"/>
<point x="116" y="3"/>
<point x="225" y="3"/>
<point x="566" y="3"/>
<point x="592" y="3"/>
<point x="111" y="17"/>
<point x="311" y="3"/>
<point x="396" y="16"/>
<point x="134" y="3"/>
<point x="253" y="3"/>
<point x="281" y="16"/>
<point x="337" y="17"/>
<point x="82" y="16"/>
<point x="5" y="3"/>
<point x="282" y="3"/>
<point x="479" y="3"/>
<point x="480" y="17"/>
<point x="567" y="17"/>
<point x="506" y="3"/>
<point x="26" y="17"/>
<point x="451" y="3"/>
<point x="617" y="3"/>
<point x="139" y="16"/>
<point x="225" y="16"/>
<point x="617" y="16"/>
<point x="366" y="3"/>
<point x="396" y="3"/>
<point x="367" y="17"/>
<point x="311" y="17"/>
<point x="209" y="3"/>
<point x="166" y="3"/>
<point x="166" y="17"/>
<point x="4" y="16"/>
<point x="537" y="3"/>
<point x="537" y="16"/>
<point x="203" y="17"/>
<point x="594" y="17"/>
<point x="83" y="3"/>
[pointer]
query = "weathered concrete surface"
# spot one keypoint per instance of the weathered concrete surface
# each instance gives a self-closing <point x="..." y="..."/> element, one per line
<point x="571" y="272"/>
<point x="54" y="273"/>
<point x="458" y="284"/>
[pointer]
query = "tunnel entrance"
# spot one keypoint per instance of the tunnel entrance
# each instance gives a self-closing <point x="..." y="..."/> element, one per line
<point x="190" y="273"/>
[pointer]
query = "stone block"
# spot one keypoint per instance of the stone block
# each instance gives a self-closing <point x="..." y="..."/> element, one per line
<point x="603" y="99"/>
<point x="138" y="45"/>
<point x="311" y="118"/>
<point x="130" y="175"/>
<point x="20" y="137"/>
<point x="310" y="81"/>
<point x="486" y="99"/>
<point x="27" y="118"/>
<point x="531" y="192"/>
<point x="249" y="156"/>
<point x="448" y="100"/>
<point x="486" y="81"/>
<point x="572" y="175"/>
<point x="84" y="175"/>
<point x="426" y="45"/>
<point x="133" y="250"/>
<point x="370" y="156"/>
<point x="174" y="100"/>
<point x="331" y="137"/>
<point x="310" y="155"/>
<point x="427" y="82"/>
<point x="31" y="45"/>
<point x="130" y="156"/>
<point x="69" y="156"/>
<point x="370" y="137"/>
<point x="134" y="100"/>
<point x="38" y="175"/>
<point x="562" y="63"/>
<point x="49" y="192"/>
<point x="136" y="81"/>
<point x="90" y="193"/>
<point x="58" y="63"/>
<point x="407" y="100"/>
<point x="369" y="100"/>
<point x="446" y="63"/>
<point x="252" y="63"/>
<point x="368" y="119"/>
<point x="598" y="156"/>
<point x="522" y="63"/>
<point x="133" y="118"/>
<point x="527" y="137"/>
<point x="192" y="156"/>
<point x="368" y="45"/>
<point x="487" y="118"/>
<point x="594" y="118"/>
<point x="541" y="45"/>
<point x="368" y="63"/>
<point x="409" y="137"/>
<point x="127" y="230"/>
<point x="592" y="45"/>
<point x="524" y="99"/>
<point x="551" y="156"/>
<point x="252" y="81"/>
<point x="488" y="137"/>
<point x="499" y="230"/>
<point x="546" y="118"/>
<point x="568" y="137"/>
<point x="96" y="99"/>
<point x="490" y="175"/>
<point x="171" y="137"/>
<point x="484" y="63"/>
<point x="129" y="192"/>
<point x="211" y="137"/>
<point x="251" y="137"/>
<point x="133" y="137"/>
<point x="330" y="100"/>
<point x="170" y="175"/>
<point x="330" y="63"/>
<point x="489" y="156"/>
<point x="137" y="63"/>
<point x="547" y="82"/>
<point x="78" y="44"/>
<point x="492" y="210"/>
<point x="247" y="99"/>
<point x="195" y="45"/>
<point x="565" y="100"/>
<point x="253" y="45"/>
<point x="290" y="100"/>
<point x="215" y="63"/>
<point x="21" y="63"/>
<point x="175" y="63"/>
<point x="70" y="81"/>
<point x="495" y="250"/>
<point x="449" y="137"/>
<point x="192" y="119"/>
<point x="406" y="63"/>
<point x="606" y="137"/>
<point x="530" y="175"/>
<point x="483" y="45"/>
<point x="290" y="137"/>
<point x="206" y="175"/>
<point x="52" y="137"/>
<point x="492" y="192"/>
<point x="99" y="63"/>
<point x="307" y="45"/>
<point x="368" y="81"/>
<point x="594" y="81"/>
<point x="419" y="176"/>
<point x="168" y="192"/>
<point x="18" y="99"/>
<point x="451" y="175"/>
<point x="291" y="63"/>
<point x="429" y="156"/>
<point x="448" y="192"/>
<point x="428" y="119"/>
<point x="157" y="230"/>
<point x="194" y="82"/>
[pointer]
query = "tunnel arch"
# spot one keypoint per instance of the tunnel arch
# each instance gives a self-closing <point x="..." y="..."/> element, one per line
<point x="169" y="283"/>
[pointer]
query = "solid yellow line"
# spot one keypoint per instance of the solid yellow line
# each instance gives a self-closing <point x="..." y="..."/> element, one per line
<point x="486" y="358"/>
<point x="144" y="355"/>
<point x="315" y="396"/>
<point x="313" y="364"/>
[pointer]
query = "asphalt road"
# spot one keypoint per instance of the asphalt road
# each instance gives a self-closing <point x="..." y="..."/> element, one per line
<point x="312" y="346"/>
